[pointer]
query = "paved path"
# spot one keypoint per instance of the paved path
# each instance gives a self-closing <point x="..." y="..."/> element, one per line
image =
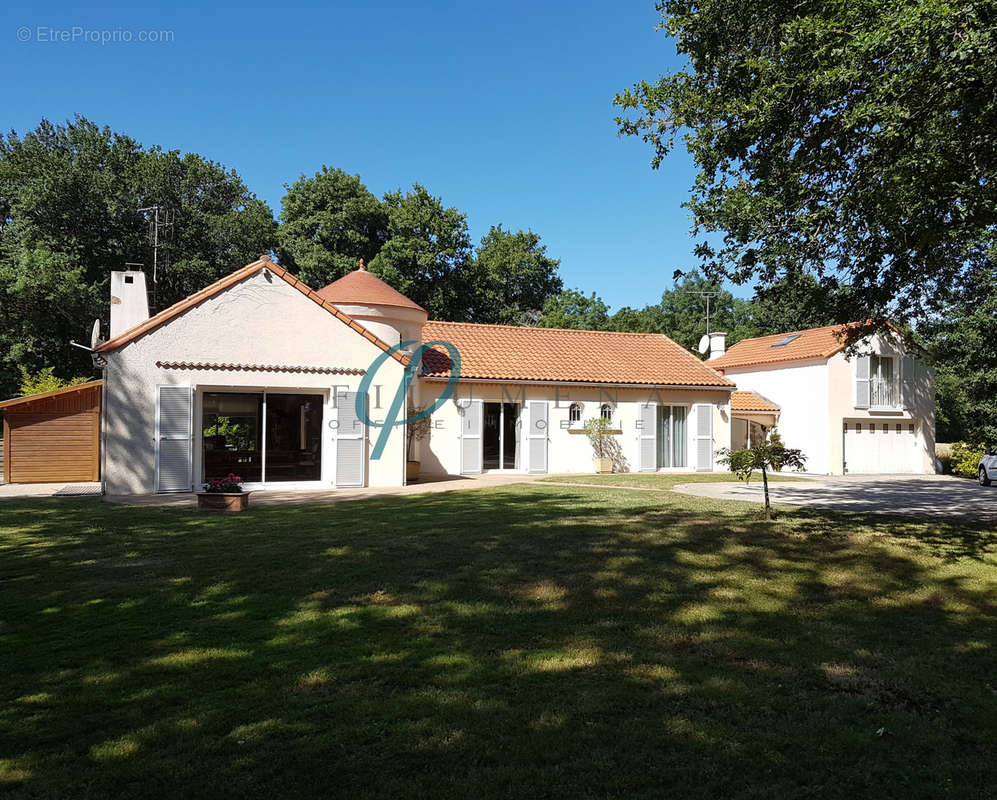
<point x="271" y="497"/>
<point x="934" y="496"/>
<point x="23" y="490"/>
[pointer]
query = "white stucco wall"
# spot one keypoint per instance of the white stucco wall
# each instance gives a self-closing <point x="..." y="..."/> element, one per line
<point x="921" y="413"/>
<point x="800" y="390"/>
<point x="816" y="397"/>
<point x="567" y="452"/>
<point x="261" y="320"/>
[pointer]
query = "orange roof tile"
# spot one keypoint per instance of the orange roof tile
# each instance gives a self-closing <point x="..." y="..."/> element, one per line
<point x="264" y="262"/>
<point x="751" y="401"/>
<point x="812" y="343"/>
<point x="363" y="288"/>
<point x="505" y="352"/>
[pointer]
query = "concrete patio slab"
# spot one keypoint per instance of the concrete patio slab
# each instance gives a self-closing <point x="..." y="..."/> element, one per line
<point x="933" y="496"/>
<point x="12" y="491"/>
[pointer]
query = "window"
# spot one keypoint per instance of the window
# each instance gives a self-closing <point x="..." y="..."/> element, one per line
<point x="787" y="339"/>
<point x="606" y="412"/>
<point x="883" y="382"/>
<point x="574" y="413"/>
<point x="671" y="436"/>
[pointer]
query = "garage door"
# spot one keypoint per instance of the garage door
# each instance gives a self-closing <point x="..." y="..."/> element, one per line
<point x="880" y="447"/>
<point x="54" y="436"/>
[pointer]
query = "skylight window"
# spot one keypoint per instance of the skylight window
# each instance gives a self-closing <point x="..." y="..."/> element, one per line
<point x="787" y="339"/>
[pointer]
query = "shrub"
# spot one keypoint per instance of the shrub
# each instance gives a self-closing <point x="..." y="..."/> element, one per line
<point x="966" y="458"/>
<point x="230" y="483"/>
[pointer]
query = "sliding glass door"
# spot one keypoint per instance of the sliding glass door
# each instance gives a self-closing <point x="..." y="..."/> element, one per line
<point x="262" y="437"/>
<point x="671" y="436"/>
<point x="294" y="437"/>
<point x="232" y="435"/>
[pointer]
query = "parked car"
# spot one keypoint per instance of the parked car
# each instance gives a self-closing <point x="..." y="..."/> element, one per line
<point x="988" y="467"/>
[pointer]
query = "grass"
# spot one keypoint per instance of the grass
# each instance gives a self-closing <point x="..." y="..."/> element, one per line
<point x="523" y="641"/>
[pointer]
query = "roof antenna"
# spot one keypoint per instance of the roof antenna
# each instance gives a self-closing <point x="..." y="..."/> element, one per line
<point x="161" y="219"/>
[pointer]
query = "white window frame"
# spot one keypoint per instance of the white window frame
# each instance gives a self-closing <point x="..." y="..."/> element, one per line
<point x="611" y="419"/>
<point x="326" y="478"/>
<point x="671" y="434"/>
<point x="875" y="372"/>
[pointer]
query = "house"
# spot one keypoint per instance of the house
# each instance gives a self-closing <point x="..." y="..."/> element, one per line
<point x="288" y="387"/>
<point x="865" y="409"/>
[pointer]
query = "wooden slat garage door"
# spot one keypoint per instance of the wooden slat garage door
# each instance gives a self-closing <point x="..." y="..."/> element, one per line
<point x="54" y="439"/>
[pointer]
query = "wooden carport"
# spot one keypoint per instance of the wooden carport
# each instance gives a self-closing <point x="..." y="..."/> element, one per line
<point x="53" y="436"/>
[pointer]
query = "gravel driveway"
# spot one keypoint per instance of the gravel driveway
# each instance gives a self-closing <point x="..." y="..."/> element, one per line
<point x="938" y="496"/>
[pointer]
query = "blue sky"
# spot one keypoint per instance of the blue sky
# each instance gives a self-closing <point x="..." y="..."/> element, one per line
<point x="504" y="110"/>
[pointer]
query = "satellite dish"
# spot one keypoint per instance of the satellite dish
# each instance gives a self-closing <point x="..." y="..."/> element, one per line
<point x="95" y="335"/>
<point x="704" y="344"/>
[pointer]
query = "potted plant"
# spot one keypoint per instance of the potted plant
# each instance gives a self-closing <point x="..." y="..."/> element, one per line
<point x="597" y="429"/>
<point x="415" y="431"/>
<point x="223" y="494"/>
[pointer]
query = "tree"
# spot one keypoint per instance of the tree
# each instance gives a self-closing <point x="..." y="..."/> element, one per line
<point x="44" y="380"/>
<point x="963" y="347"/>
<point x="572" y="309"/>
<point x="515" y="277"/>
<point x="427" y="256"/>
<point x="328" y="223"/>
<point x="770" y="454"/>
<point x="69" y="200"/>
<point x="857" y="140"/>
<point x="800" y="301"/>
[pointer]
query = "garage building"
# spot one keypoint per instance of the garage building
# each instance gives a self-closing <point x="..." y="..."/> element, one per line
<point x="53" y="436"/>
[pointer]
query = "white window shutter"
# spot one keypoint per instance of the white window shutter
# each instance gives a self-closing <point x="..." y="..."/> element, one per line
<point x="537" y="436"/>
<point x="350" y="442"/>
<point x="647" y="456"/>
<point x="907" y="382"/>
<point x="471" y="419"/>
<point x="704" y="437"/>
<point x="174" y="438"/>
<point x="863" y="387"/>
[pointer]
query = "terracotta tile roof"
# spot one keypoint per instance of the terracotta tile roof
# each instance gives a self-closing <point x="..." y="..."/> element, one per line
<point x="30" y="398"/>
<point x="812" y="343"/>
<point x="202" y="366"/>
<point x="505" y="352"/>
<point x="233" y="278"/>
<point x="362" y="287"/>
<point x="751" y="401"/>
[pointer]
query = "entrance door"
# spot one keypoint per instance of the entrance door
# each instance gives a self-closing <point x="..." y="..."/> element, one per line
<point x="500" y="436"/>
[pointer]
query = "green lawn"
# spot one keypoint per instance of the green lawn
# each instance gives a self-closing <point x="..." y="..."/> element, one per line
<point x="524" y="641"/>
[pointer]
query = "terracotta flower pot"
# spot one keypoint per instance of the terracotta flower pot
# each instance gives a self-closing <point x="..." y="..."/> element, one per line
<point x="222" y="501"/>
<point x="603" y="466"/>
<point x="412" y="469"/>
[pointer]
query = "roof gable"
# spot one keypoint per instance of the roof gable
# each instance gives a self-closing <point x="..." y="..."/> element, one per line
<point x="507" y="353"/>
<point x="264" y="262"/>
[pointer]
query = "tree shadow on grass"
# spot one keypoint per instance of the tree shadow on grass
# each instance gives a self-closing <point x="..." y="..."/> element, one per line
<point x="531" y="640"/>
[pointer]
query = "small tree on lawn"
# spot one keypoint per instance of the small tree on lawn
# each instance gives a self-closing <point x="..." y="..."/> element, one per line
<point x="770" y="454"/>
